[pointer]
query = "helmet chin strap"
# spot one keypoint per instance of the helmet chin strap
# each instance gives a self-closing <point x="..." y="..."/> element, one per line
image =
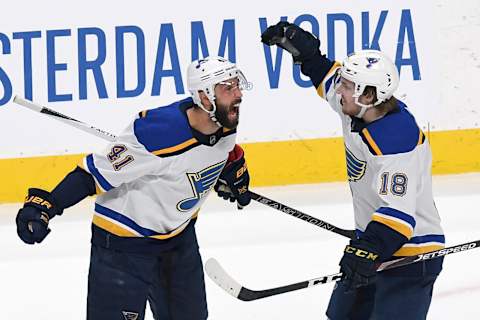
<point x="211" y="113"/>
<point x="361" y="112"/>
<point x="363" y="108"/>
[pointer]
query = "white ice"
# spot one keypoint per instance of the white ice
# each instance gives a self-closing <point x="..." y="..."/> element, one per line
<point x="259" y="246"/>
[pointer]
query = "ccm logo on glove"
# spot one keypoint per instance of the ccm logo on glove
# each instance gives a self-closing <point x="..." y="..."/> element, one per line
<point x="361" y="253"/>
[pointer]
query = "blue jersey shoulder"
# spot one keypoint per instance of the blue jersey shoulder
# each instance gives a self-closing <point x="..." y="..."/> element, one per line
<point x="397" y="132"/>
<point x="165" y="130"/>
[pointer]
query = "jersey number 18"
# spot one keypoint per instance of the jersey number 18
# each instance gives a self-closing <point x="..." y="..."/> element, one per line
<point x="398" y="185"/>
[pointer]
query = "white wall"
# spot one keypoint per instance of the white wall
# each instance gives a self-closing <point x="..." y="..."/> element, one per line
<point x="442" y="92"/>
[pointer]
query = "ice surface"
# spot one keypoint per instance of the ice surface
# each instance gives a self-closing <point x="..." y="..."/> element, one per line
<point x="259" y="246"/>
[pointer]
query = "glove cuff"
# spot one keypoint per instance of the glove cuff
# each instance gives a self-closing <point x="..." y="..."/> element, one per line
<point x="44" y="201"/>
<point x="385" y="240"/>
<point x="236" y="154"/>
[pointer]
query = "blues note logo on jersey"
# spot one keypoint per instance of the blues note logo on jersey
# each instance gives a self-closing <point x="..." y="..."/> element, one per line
<point x="201" y="182"/>
<point x="355" y="167"/>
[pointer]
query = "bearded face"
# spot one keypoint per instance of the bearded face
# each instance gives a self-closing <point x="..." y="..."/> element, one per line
<point x="228" y="99"/>
<point x="228" y="114"/>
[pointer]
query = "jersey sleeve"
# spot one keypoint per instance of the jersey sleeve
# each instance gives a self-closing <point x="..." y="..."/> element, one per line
<point x="323" y="74"/>
<point x="395" y="183"/>
<point x="76" y="186"/>
<point x="122" y="161"/>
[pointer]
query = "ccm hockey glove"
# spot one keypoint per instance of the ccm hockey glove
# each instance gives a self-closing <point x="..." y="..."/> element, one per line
<point x="32" y="220"/>
<point x="359" y="264"/>
<point x="233" y="181"/>
<point x="300" y="43"/>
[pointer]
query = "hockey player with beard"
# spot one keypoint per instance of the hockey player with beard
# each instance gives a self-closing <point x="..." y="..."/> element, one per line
<point x="389" y="171"/>
<point x="151" y="183"/>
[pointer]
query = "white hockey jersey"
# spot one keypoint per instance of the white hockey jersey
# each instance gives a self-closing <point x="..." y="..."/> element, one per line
<point x="389" y="171"/>
<point x="153" y="179"/>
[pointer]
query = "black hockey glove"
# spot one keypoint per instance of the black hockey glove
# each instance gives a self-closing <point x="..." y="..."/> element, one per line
<point x="233" y="181"/>
<point x="32" y="220"/>
<point x="359" y="264"/>
<point x="300" y="43"/>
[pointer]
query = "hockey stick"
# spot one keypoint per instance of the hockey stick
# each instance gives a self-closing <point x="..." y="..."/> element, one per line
<point x="65" y="119"/>
<point x="226" y="282"/>
<point x="111" y="137"/>
<point x="302" y="216"/>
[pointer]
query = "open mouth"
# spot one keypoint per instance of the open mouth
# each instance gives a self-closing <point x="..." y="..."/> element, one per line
<point x="235" y="109"/>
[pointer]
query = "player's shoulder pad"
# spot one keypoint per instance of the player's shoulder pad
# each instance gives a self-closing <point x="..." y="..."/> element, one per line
<point x="397" y="132"/>
<point x="164" y="131"/>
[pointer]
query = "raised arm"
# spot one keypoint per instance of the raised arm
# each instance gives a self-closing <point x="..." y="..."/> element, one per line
<point x="305" y="49"/>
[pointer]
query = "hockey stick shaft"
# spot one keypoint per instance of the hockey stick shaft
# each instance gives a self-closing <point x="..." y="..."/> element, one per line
<point x="111" y="137"/>
<point x="302" y="216"/>
<point x="226" y="282"/>
<point x="65" y="119"/>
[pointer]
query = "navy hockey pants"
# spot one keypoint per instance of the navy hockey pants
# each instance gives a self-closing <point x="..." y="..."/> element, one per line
<point x="389" y="298"/>
<point x="120" y="283"/>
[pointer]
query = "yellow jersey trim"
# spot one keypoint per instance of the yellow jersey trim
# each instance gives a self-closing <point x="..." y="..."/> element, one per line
<point x="413" y="251"/>
<point x="372" y="143"/>
<point x="321" y="88"/>
<point x="120" y="231"/>
<point x="178" y="147"/>
<point x="178" y="230"/>
<point x="112" y="227"/>
<point x="404" y="229"/>
<point x="420" y="138"/>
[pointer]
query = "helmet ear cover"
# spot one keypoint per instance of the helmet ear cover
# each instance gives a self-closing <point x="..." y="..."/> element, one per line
<point x="371" y="68"/>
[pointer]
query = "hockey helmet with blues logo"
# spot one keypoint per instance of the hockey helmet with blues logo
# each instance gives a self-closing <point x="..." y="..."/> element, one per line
<point x="371" y="68"/>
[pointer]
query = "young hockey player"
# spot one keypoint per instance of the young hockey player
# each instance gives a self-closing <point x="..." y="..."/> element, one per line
<point x="389" y="170"/>
<point x="151" y="183"/>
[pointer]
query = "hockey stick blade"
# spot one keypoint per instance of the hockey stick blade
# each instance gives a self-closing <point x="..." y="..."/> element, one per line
<point x="65" y="119"/>
<point x="215" y="271"/>
<point x="221" y="278"/>
<point x="302" y="216"/>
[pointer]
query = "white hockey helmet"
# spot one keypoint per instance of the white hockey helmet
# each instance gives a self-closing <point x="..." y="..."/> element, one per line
<point x="204" y="74"/>
<point x="371" y="68"/>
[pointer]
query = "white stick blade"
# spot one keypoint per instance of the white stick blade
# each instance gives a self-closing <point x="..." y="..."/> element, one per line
<point x="218" y="275"/>
<point x="27" y="104"/>
<point x="65" y="119"/>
